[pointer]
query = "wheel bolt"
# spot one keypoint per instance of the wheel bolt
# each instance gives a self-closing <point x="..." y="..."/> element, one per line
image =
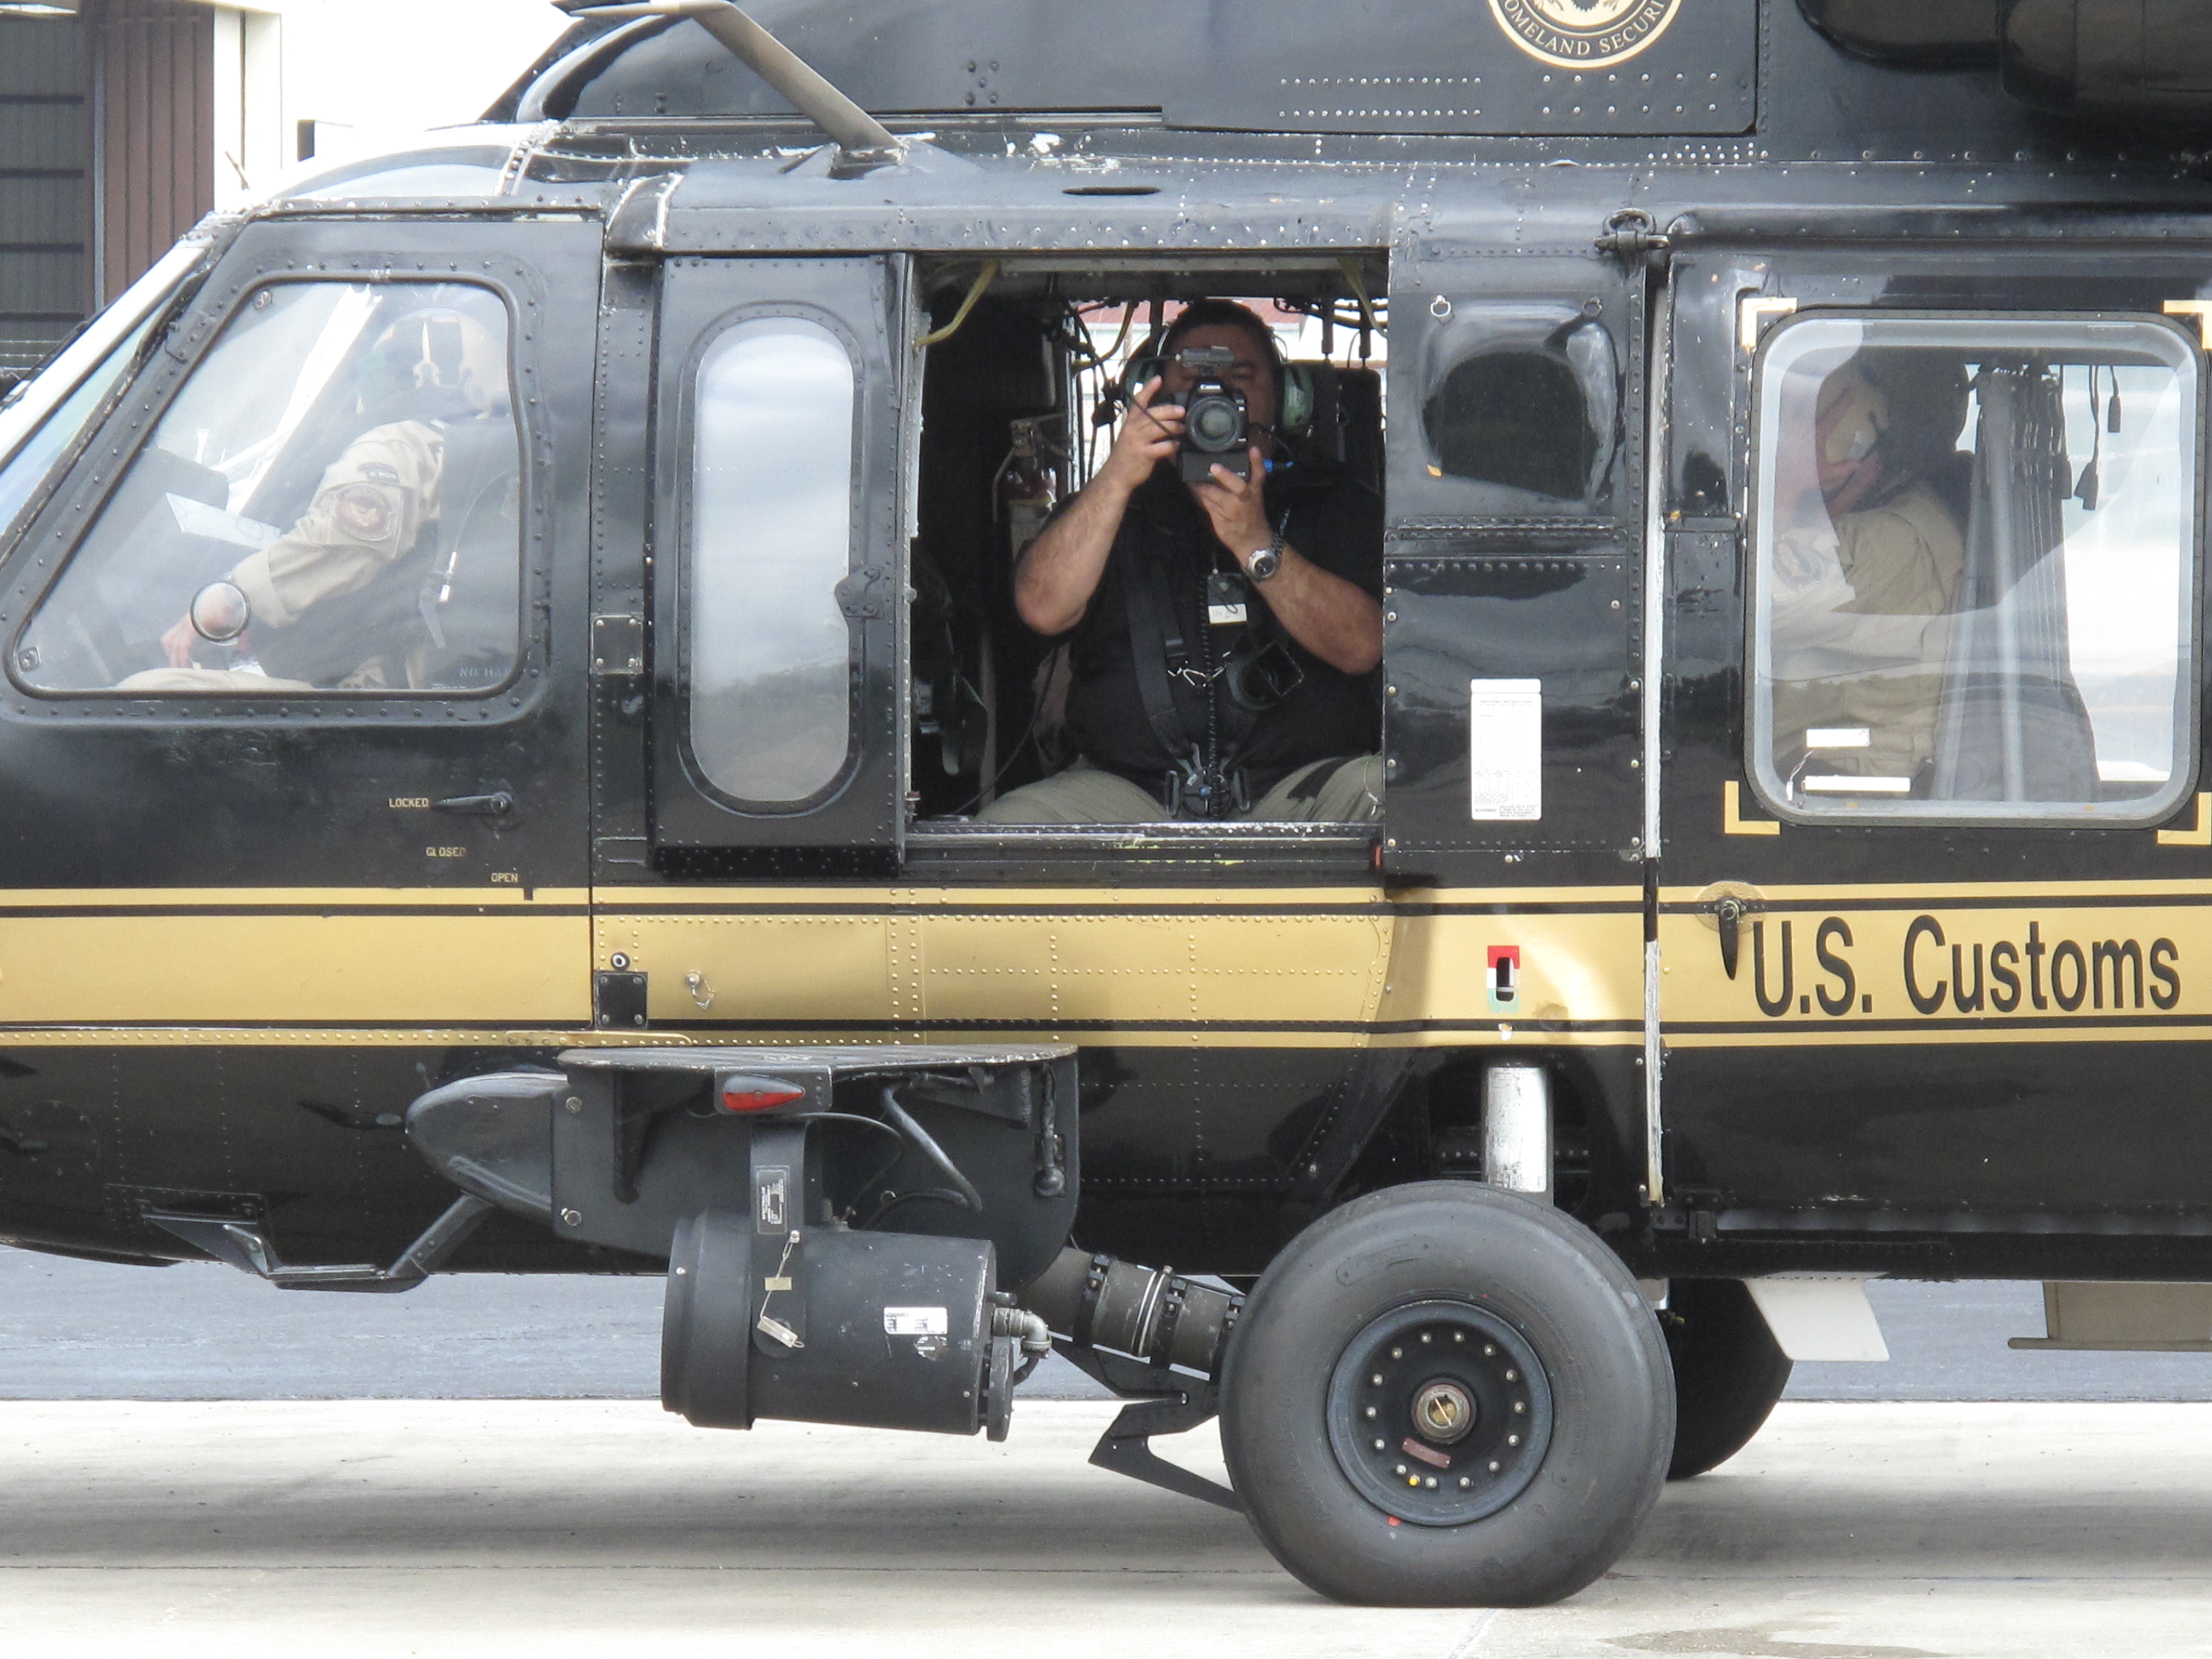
<point x="1424" y="1336"/>
<point x="1370" y="1411"/>
<point x="1397" y="1353"/>
<point x="1512" y="1376"/>
<point x="1464" y="1482"/>
<point x="1494" y="1469"/>
<point x="1459" y="1336"/>
<point x="1519" y="1407"/>
<point x="1489" y="1352"/>
<point x="1380" y="1445"/>
<point x="1401" y="1468"/>
<point x="1376" y="1381"/>
<point x="1430" y="1483"/>
<point x="1512" y="1439"/>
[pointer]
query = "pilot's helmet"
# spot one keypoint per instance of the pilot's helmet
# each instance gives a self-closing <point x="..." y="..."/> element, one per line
<point x="438" y="363"/>
<point x="1926" y="395"/>
<point x="1849" y="421"/>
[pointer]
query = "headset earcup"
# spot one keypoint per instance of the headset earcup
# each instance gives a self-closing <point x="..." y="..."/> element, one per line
<point x="1297" y="400"/>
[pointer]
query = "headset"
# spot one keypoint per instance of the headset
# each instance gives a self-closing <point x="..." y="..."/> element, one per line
<point x="1297" y="397"/>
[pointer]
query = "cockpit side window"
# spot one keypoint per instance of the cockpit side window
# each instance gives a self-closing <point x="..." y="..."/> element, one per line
<point x="331" y="503"/>
<point x="1975" y="556"/>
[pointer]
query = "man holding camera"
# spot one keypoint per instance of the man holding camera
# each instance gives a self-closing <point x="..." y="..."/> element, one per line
<point x="1225" y="626"/>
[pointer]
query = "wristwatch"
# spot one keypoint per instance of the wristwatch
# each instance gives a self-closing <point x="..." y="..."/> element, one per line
<point x="1266" y="561"/>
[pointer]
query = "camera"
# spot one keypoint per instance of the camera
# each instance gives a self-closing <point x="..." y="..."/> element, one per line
<point x="1217" y="427"/>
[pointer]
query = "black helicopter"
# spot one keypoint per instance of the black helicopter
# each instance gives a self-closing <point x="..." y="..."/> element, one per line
<point x="515" y="680"/>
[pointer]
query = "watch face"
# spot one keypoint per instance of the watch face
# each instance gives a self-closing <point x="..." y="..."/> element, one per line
<point x="1264" y="563"/>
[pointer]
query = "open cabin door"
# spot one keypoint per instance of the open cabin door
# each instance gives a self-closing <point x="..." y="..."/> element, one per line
<point x="783" y="508"/>
<point x="1512" y="613"/>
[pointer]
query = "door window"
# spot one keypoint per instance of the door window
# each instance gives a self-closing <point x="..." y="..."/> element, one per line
<point x="769" y="651"/>
<point x="332" y="502"/>
<point x="1975" y="556"/>
<point x="1520" y="411"/>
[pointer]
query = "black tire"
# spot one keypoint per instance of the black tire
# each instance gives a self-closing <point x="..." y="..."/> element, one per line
<point x="1466" y="1286"/>
<point x="1729" y="1371"/>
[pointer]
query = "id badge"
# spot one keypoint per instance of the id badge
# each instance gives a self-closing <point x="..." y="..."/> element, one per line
<point x="1225" y="596"/>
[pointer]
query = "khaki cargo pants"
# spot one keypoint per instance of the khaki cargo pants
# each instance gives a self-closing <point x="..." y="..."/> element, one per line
<point x="1346" y="789"/>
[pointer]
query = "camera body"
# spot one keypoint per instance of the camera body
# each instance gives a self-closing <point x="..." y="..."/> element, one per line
<point x="1217" y="428"/>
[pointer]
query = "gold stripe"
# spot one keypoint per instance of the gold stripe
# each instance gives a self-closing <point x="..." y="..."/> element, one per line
<point x="1929" y="895"/>
<point x="682" y="900"/>
<point x="1799" y="1036"/>
<point x="309" y="970"/>
<point x="2201" y="310"/>
<point x="218" y="899"/>
<point x="1205" y="966"/>
<point x="1191" y="971"/>
<point x="423" y="1037"/>
<point x="2201" y="835"/>
<point x="1733" y="822"/>
<point x="314" y="1036"/>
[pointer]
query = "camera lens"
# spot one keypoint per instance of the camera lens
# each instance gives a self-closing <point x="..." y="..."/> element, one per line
<point x="1215" y="423"/>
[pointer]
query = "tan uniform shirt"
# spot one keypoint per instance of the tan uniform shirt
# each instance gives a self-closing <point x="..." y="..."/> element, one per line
<point x="368" y="510"/>
<point x="1862" y="620"/>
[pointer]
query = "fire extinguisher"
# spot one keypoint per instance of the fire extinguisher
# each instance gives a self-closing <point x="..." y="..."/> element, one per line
<point x="1027" y="488"/>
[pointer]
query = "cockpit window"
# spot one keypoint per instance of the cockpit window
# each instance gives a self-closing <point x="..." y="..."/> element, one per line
<point x="1975" y="556"/>
<point x="331" y="503"/>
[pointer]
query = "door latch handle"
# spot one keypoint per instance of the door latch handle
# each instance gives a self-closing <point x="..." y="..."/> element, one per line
<point x="1728" y="913"/>
<point x="498" y="805"/>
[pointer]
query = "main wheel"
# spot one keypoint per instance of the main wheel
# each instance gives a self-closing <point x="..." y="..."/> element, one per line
<point x="1446" y="1394"/>
<point x="1729" y="1371"/>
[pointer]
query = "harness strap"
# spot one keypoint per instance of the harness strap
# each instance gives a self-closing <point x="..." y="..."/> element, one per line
<point x="1158" y="650"/>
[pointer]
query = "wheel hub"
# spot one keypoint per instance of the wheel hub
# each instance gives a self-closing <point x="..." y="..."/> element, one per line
<point x="1443" y="1411"/>
<point x="1439" y="1412"/>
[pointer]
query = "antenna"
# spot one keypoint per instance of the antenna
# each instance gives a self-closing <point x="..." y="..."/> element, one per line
<point x="860" y="137"/>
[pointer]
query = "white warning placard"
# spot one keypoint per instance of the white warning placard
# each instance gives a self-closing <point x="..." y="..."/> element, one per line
<point x="915" y="1321"/>
<point x="1505" y="737"/>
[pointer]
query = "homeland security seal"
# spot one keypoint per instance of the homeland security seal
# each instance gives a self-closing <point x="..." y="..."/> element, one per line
<point x="1583" y="35"/>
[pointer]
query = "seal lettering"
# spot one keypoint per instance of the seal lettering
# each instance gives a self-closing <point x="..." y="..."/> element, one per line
<point x="1584" y="34"/>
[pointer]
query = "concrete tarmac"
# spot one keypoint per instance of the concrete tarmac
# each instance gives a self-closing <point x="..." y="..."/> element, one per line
<point x="89" y="1330"/>
<point x="1846" y="1531"/>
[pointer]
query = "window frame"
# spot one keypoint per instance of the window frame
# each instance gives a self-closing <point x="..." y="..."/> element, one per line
<point x="2190" y="679"/>
<point x="42" y="553"/>
<point x="1474" y="323"/>
<point x="858" y="824"/>
<point x="1487" y="328"/>
<point x="151" y="303"/>
<point x="688" y="441"/>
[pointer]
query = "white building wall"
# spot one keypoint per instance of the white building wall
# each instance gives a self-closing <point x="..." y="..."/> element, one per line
<point x="366" y="73"/>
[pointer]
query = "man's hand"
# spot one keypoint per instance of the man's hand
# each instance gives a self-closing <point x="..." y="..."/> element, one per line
<point x="1339" y="622"/>
<point x="178" y="644"/>
<point x="1804" y="559"/>
<point x="1238" y="507"/>
<point x="1148" y="436"/>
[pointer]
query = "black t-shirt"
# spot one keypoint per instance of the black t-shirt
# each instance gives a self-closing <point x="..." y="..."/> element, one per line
<point x="1332" y="520"/>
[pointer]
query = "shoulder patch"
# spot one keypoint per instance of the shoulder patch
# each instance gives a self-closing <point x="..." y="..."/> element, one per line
<point x="377" y="472"/>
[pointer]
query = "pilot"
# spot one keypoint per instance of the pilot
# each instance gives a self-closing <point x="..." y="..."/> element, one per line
<point x="1866" y="568"/>
<point x="1225" y="635"/>
<point x="315" y="598"/>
